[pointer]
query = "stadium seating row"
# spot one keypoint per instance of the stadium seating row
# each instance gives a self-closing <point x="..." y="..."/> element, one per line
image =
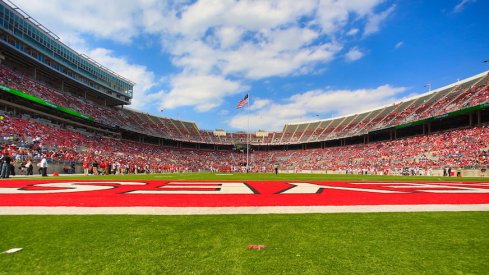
<point x="24" y="138"/>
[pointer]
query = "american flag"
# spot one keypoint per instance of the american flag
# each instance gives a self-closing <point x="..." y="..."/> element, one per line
<point x="242" y="102"/>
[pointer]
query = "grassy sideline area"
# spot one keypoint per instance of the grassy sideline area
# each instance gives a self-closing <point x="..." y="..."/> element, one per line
<point x="258" y="176"/>
<point x="400" y="243"/>
<point x="353" y="243"/>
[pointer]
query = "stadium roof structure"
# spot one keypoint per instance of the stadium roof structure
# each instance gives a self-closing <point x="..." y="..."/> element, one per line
<point x="29" y="40"/>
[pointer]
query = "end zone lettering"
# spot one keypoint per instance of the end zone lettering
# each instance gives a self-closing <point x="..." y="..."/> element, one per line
<point x="242" y="188"/>
<point x="66" y="187"/>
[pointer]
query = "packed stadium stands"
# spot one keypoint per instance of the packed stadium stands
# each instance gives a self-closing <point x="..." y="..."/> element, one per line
<point x="25" y="138"/>
<point x="453" y="98"/>
<point x="455" y="148"/>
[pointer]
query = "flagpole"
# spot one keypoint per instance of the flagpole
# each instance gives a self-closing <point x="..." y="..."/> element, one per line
<point x="241" y="104"/>
<point x="248" y="137"/>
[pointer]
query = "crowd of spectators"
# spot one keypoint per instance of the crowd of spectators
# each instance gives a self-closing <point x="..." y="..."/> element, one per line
<point x="453" y="99"/>
<point x="466" y="148"/>
<point x="25" y="139"/>
<point x="110" y="116"/>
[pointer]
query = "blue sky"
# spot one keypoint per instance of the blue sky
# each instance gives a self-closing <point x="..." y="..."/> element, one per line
<point x="298" y="60"/>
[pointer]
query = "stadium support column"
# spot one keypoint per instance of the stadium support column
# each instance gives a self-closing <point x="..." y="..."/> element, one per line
<point x="366" y="138"/>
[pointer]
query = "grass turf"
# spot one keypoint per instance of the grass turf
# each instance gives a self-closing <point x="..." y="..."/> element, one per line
<point x="260" y="176"/>
<point x="401" y="243"/>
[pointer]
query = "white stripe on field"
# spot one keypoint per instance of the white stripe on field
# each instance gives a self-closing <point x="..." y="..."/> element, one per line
<point x="63" y="210"/>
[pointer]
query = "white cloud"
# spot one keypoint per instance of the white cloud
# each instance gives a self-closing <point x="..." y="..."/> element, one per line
<point x="259" y="103"/>
<point x="333" y="15"/>
<point x="223" y="112"/>
<point x="374" y="21"/>
<point x="205" y="92"/>
<point x="253" y="63"/>
<point x="251" y="40"/>
<point x="399" y="44"/>
<point x="461" y="5"/>
<point x="145" y="79"/>
<point x="354" y="54"/>
<point x="118" y="20"/>
<point x="229" y="36"/>
<point x="352" y="32"/>
<point x="203" y="15"/>
<point x="305" y="106"/>
<point x="211" y="42"/>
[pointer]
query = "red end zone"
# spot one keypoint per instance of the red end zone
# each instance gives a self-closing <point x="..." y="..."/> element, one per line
<point x="113" y="193"/>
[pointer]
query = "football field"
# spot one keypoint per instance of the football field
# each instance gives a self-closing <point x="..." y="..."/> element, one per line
<point x="309" y="224"/>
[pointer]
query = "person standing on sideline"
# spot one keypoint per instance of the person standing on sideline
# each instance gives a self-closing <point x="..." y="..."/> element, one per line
<point x="2" y="157"/>
<point x="5" y="172"/>
<point x="86" y="165"/>
<point x="44" y="166"/>
<point x="95" y="167"/>
<point x="30" y="168"/>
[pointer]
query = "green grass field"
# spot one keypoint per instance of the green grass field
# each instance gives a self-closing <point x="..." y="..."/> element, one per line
<point x="263" y="177"/>
<point x="374" y="243"/>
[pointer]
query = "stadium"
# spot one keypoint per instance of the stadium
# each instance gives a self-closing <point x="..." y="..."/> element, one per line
<point x="91" y="185"/>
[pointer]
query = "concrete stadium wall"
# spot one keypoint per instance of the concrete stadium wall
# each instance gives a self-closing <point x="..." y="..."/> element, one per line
<point x="52" y="167"/>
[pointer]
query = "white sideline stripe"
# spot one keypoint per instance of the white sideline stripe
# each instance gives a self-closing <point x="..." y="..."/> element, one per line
<point x="63" y="210"/>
